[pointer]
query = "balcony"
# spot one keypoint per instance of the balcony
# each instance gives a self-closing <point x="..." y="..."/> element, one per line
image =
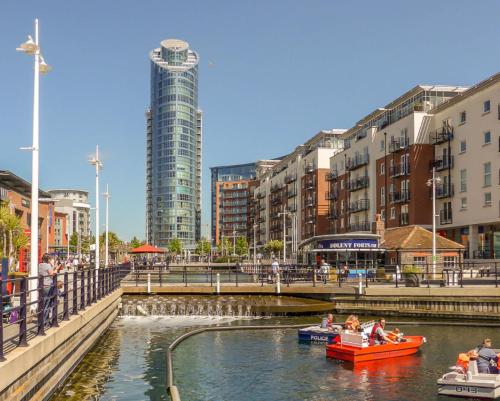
<point x="261" y="195"/>
<point x="445" y="217"/>
<point x="276" y="200"/>
<point x="359" y="205"/>
<point x="332" y="175"/>
<point x="357" y="161"/>
<point x="443" y="163"/>
<point x="333" y="214"/>
<point x="359" y="226"/>
<point x="309" y="169"/>
<point x="404" y="219"/>
<point x="276" y="188"/>
<point x="290" y="178"/>
<point x="443" y="191"/>
<point x="398" y="144"/>
<point x="441" y="135"/>
<point x="291" y="193"/>
<point x="399" y="170"/>
<point x="309" y="202"/>
<point x="399" y="197"/>
<point x="332" y="195"/>
<point x="359" y="183"/>
<point x="292" y="207"/>
<point x="310" y="184"/>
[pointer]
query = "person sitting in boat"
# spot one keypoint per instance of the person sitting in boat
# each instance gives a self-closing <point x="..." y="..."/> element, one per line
<point x="395" y="335"/>
<point x="352" y="323"/>
<point x="487" y="359"/>
<point x="378" y="336"/>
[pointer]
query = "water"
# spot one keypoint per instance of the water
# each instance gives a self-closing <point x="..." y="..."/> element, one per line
<point x="129" y="364"/>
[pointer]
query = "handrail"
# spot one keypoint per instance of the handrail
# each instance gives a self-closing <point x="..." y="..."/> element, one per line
<point x="171" y="387"/>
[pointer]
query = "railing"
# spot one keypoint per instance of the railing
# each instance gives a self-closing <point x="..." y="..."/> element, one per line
<point x="290" y="178"/>
<point x="291" y="193"/>
<point x="441" y="135"/>
<point x="310" y="183"/>
<point x="359" y="183"/>
<point x="332" y="175"/>
<point x="357" y="161"/>
<point x="398" y="197"/>
<point x="58" y="297"/>
<point x="442" y="163"/>
<point x="333" y="214"/>
<point x="332" y="195"/>
<point x="308" y="169"/>
<point x="443" y="191"/>
<point x="360" y="226"/>
<point x="399" y="170"/>
<point x="398" y="144"/>
<point x="359" y="205"/>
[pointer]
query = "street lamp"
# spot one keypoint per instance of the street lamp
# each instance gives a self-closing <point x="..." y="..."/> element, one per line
<point x="234" y="242"/>
<point x="254" y="245"/>
<point x="432" y="183"/>
<point x="32" y="48"/>
<point x="106" y="256"/>
<point x="98" y="165"/>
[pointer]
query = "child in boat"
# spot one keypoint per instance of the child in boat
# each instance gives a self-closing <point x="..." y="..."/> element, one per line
<point x="352" y="323"/>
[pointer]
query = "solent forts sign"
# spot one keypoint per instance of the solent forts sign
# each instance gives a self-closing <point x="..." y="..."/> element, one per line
<point x="354" y="243"/>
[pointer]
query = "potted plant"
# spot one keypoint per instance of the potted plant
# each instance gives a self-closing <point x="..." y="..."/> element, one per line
<point x="411" y="275"/>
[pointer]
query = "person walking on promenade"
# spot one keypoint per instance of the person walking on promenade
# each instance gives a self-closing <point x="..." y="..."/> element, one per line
<point x="46" y="269"/>
<point x="275" y="267"/>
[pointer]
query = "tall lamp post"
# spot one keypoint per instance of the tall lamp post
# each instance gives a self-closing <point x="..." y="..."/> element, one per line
<point x="32" y="48"/>
<point x="432" y="183"/>
<point x="254" y="245"/>
<point x="98" y="165"/>
<point x="106" y="255"/>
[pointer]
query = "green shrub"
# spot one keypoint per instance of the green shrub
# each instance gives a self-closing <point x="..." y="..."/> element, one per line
<point x="412" y="269"/>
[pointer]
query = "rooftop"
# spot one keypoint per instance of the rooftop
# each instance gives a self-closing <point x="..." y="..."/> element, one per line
<point x="12" y="182"/>
<point x="415" y="237"/>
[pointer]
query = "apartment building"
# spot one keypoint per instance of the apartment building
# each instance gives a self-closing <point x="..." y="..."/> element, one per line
<point x="290" y="195"/>
<point x="384" y="166"/>
<point x="465" y="134"/>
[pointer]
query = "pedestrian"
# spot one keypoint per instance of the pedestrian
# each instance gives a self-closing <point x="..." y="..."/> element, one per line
<point x="275" y="267"/>
<point x="47" y="270"/>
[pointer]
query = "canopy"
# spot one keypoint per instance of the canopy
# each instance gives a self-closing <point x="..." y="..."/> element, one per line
<point x="147" y="249"/>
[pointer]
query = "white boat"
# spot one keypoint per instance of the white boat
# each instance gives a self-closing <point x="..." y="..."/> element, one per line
<point x="469" y="383"/>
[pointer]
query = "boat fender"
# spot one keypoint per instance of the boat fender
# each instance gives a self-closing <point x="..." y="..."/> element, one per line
<point x="424" y="339"/>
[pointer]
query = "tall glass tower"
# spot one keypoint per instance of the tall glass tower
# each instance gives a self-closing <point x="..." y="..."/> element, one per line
<point x="174" y="130"/>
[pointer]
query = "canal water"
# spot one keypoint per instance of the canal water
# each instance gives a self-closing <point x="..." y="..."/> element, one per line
<point x="128" y="364"/>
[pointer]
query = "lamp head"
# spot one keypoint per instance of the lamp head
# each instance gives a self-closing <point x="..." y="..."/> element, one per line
<point x="44" y="67"/>
<point x="29" y="47"/>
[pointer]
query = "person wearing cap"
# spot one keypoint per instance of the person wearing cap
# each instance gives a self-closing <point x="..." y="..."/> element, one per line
<point x="487" y="359"/>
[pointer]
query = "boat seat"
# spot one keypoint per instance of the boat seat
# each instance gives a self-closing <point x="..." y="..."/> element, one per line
<point x="473" y="368"/>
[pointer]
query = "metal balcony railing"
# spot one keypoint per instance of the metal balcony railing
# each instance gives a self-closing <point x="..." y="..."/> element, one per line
<point x="290" y="178"/>
<point x="443" y="191"/>
<point x="332" y="175"/>
<point x="399" y="197"/>
<point x="442" y="163"/>
<point x="359" y="226"/>
<point x="359" y="205"/>
<point x="359" y="183"/>
<point x="357" y="161"/>
<point x="398" y="144"/>
<point x="441" y="135"/>
<point x="399" y="170"/>
<point x="332" y="195"/>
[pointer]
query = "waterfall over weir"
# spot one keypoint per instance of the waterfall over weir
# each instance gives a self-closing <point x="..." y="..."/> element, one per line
<point x="227" y="305"/>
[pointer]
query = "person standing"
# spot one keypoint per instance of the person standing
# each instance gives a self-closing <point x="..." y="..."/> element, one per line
<point x="487" y="358"/>
<point x="46" y="269"/>
<point x="275" y="267"/>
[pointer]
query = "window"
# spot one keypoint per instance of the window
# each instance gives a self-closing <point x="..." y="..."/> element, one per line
<point x="419" y="260"/>
<point x="382" y="145"/>
<point x="463" y="203"/>
<point x="341" y="184"/>
<point x="463" y="117"/>
<point x="487" y="137"/>
<point x="486" y="106"/>
<point x="382" y="196"/>
<point x="342" y="222"/>
<point x="449" y="262"/>
<point x="382" y="214"/>
<point x="463" y="180"/>
<point x="382" y="168"/>
<point x="487" y="174"/>
<point x="463" y="146"/>
<point x="393" y="213"/>
<point x="487" y="199"/>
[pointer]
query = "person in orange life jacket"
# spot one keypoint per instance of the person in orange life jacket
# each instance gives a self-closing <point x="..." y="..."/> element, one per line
<point x="352" y="323"/>
<point x="378" y="336"/>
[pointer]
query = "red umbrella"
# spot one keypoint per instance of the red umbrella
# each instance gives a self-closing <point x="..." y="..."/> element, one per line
<point x="147" y="249"/>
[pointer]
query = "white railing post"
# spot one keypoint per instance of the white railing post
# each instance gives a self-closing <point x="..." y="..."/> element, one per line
<point x="278" y="284"/>
<point x="149" y="283"/>
<point x="218" y="283"/>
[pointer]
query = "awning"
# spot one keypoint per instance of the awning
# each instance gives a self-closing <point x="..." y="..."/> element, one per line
<point x="449" y="253"/>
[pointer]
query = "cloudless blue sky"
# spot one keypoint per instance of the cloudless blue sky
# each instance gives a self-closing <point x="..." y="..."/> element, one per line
<point x="272" y="74"/>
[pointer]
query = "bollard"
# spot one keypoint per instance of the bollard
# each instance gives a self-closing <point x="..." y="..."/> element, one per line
<point x="23" y="315"/>
<point x="218" y="283"/>
<point x="149" y="283"/>
<point x="1" y="321"/>
<point x="278" y="284"/>
<point x="360" y="285"/>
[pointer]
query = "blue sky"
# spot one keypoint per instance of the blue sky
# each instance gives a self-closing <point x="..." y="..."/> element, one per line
<point x="272" y="74"/>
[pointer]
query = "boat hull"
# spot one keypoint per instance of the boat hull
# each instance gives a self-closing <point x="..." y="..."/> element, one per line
<point x="317" y="334"/>
<point x="374" y="352"/>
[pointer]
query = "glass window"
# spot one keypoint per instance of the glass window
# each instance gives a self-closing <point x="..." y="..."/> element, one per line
<point x="487" y="174"/>
<point x="486" y="106"/>
<point x="382" y="196"/>
<point x="393" y="213"/>
<point x="487" y="198"/>
<point x="382" y="168"/>
<point x="463" y="146"/>
<point x="382" y="214"/>
<point x="463" y="117"/>
<point x="487" y="137"/>
<point x="382" y="145"/>
<point x="463" y="203"/>
<point x="419" y="260"/>
<point x="463" y="180"/>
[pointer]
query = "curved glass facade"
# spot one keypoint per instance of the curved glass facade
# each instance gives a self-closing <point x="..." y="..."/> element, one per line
<point x="174" y="146"/>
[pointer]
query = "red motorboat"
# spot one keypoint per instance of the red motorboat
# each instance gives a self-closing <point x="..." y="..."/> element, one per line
<point x="353" y="351"/>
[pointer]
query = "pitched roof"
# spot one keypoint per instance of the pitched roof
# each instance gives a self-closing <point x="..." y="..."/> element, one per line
<point x="415" y="237"/>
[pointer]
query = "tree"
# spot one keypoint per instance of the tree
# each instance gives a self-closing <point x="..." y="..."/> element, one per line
<point x="12" y="237"/>
<point x="84" y="240"/>
<point x="225" y="247"/>
<point x="135" y="242"/>
<point x="113" y="240"/>
<point x="241" y="246"/>
<point x="175" y="246"/>
<point x="274" y="246"/>
<point x="203" y="247"/>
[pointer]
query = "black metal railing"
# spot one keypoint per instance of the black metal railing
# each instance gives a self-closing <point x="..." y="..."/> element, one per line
<point x="398" y="144"/>
<point x="399" y="170"/>
<point x="357" y="161"/>
<point x="441" y="135"/>
<point x="359" y="205"/>
<point x="332" y="175"/>
<point x="359" y="183"/>
<point x="399" y="197"/>
<point x="30" y="305"/>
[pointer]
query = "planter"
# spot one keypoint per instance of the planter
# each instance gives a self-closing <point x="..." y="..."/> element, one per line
<point x="411" y="279"/>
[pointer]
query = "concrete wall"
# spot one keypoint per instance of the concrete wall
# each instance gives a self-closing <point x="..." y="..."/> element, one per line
<point x="34" y="372"/>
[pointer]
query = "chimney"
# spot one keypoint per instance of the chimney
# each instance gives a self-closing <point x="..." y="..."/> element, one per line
<point x="379" y="228"/>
